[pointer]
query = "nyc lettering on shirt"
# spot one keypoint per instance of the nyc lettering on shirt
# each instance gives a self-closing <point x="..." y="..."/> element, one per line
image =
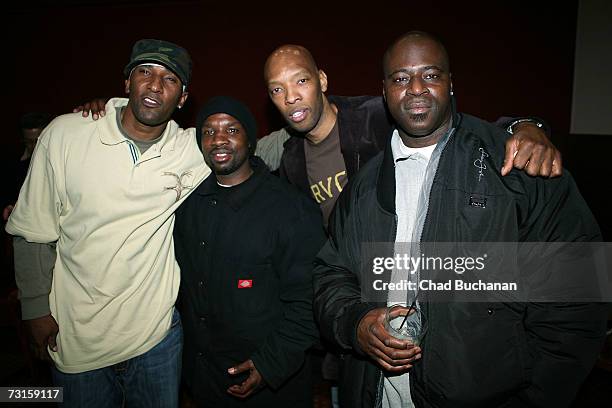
<point x="330" y="188"/>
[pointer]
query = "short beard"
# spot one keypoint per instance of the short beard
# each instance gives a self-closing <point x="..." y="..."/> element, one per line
<point x="419" y="117"/>
<point x="228" y="170"/>
<point x="225" y="171"/>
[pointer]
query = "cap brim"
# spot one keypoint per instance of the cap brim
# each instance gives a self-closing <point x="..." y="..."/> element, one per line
<point x="129" y="67"/>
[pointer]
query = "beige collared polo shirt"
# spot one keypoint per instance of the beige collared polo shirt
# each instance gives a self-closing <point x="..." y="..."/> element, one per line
<point x="111" y="212"/>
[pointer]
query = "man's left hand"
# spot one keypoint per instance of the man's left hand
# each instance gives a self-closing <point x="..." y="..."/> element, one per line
<point x="530" y="150"/>
<point x="253" y="383"/>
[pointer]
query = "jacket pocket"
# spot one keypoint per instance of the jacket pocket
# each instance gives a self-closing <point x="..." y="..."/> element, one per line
<point x="475" y="360"/>
<point x="476" y="216"/>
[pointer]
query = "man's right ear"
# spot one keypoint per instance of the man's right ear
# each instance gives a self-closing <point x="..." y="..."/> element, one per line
<point x="127" y="86"/>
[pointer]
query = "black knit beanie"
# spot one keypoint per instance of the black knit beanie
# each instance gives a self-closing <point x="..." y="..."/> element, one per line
<point x="233" y="107"/>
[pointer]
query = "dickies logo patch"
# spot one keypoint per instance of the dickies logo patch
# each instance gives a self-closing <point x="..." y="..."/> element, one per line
<point x="245" y="283"/>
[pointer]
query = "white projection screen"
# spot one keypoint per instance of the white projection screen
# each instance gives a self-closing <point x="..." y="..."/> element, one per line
<point x="592" y="94"/>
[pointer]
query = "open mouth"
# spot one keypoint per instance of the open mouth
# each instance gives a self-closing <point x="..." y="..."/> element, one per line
<point x="298" y="115"/>
<point x="220" y="156"/>
<point x="150" y="102"/>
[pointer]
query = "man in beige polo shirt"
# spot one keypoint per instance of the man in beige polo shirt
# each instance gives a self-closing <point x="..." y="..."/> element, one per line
<point x="105" y="193"/>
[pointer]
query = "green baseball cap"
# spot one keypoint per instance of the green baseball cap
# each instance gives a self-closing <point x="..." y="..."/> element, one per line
<point x="165" y="53"/>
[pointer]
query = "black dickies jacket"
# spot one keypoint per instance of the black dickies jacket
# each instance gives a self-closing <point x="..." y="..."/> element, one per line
<point x="246" y="257"/>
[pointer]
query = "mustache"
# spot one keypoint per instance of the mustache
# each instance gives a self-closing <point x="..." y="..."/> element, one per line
<point x="418" y="103"/>
<point x="218" y="150"/>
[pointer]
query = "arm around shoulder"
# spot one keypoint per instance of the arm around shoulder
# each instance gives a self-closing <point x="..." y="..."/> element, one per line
<point x="529" y="147"/>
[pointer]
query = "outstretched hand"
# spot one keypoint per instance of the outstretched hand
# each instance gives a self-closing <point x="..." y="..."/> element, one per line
<point x="252" y="384"/>
<point x="529" y="149"/>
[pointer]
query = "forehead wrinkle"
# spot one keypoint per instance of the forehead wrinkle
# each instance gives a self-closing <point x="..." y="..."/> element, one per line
<point x="226" y="122"/>
<point x="288" y="74"/>
<point x="414" y="68"/>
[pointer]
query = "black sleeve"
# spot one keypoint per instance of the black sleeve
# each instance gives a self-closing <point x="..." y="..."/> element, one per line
<point x="565" y="338"/>
<point x="299" y="240"/>
<point x="338" y="305"/>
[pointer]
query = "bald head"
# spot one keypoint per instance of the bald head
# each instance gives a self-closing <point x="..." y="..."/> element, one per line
<point x="417" y="87"/>
<point x="296" y="87"/>
<point x="289" y="54"/>
<point x="416" y="38"/>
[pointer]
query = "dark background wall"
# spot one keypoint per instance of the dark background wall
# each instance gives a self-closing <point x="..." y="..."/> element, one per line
<point x="507" y="58"/>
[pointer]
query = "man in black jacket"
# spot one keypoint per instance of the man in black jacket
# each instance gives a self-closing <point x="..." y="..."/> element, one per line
<point x="245" y="242"/>
<point x="438" y="181"/>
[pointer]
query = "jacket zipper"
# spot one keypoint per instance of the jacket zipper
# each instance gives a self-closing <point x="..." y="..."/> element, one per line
<point x="425" y="222"/>
<point x="432" y="183"/>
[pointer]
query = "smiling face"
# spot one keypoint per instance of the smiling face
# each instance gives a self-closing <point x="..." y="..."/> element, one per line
<point x="225" y="145"/>
<point x="154" y="93"/>
<point x="417" y="86"/>
<point x="296" y="88"/>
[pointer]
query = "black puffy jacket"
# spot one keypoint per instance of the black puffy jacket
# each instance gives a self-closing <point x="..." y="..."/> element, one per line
<point x="475" y="354"/>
